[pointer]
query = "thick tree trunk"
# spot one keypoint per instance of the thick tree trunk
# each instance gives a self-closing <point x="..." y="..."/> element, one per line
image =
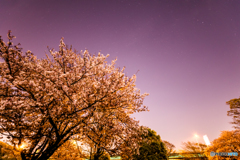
<point x="23" y="155"/>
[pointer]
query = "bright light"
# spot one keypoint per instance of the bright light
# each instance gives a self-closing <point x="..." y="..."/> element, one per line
<point x="196" y="135"/>
<point x="206" y="140"/>
<point x="23" y="145"/>
<point x="72" y="141"/>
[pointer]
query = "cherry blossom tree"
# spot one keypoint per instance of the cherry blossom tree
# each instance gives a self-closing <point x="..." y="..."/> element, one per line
<point x="119" y="137"/>
<point x="46" y="102"/>
<point x="70" y="150"/>
<point x="228" y="141"/>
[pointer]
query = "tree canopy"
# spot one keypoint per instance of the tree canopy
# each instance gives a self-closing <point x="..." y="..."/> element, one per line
<point x="45" y="102"/>
<point x="228" y="141"/>
<point x="151" y="147"/>
<point x="234" y="111"/>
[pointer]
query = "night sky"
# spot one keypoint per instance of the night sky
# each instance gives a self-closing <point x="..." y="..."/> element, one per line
<point x="187" y="52"/>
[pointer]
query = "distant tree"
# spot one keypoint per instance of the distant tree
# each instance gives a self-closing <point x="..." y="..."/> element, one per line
<point x="170" y="147"/>
<point x="7" y="152"/>
<point x="234" y="111"/>
<point x="192" y="147"/>
<point x="151" y="147"/>
<point x="228" y="141"/>
<point x="46" y="102"/>
<point x="69" y="151"/>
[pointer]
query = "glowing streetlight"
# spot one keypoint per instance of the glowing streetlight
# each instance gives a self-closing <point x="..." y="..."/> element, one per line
<point x="196" y="136"/>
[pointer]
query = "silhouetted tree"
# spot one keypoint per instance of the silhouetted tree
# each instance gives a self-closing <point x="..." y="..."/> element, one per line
<point x="151" y="147"/>
<point x="170" y="147"/>
<point x="192" y="147"/>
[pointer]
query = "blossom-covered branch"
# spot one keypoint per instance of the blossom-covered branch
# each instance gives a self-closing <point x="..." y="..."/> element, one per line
<point x="44" y="102"/>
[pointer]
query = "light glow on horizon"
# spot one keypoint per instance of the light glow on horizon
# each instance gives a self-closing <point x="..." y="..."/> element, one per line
<point x="206" y="140"/>
<point x="196" y="135"/>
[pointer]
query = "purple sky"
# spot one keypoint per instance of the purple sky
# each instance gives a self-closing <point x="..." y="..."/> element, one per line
<point x="187" y="52"/>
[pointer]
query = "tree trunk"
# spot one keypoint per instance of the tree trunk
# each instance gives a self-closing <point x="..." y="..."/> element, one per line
<point x="23" y="155"/>
<point x="26" y="156"/>
<point x="98" y="154"/>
